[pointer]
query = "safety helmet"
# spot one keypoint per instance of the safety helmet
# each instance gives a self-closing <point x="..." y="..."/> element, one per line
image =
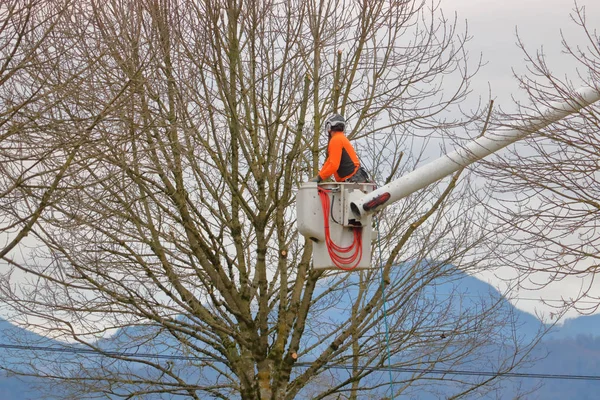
<point x="335" y="122"/>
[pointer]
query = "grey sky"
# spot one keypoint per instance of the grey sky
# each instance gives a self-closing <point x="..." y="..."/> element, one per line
<point x="494" y="24"/>
<point x="539" y="23"/>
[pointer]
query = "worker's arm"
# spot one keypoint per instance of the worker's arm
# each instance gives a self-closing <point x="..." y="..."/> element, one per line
<point x="334" y="151"/>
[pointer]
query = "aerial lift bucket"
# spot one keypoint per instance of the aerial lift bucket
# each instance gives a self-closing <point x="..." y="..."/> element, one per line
<point x="341" y="240"/>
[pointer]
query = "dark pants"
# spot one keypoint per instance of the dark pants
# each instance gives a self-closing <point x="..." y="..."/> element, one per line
<point x="361" y="176"/>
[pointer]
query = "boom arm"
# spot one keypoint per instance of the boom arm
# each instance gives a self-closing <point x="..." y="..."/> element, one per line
<point x="471" y="152"/>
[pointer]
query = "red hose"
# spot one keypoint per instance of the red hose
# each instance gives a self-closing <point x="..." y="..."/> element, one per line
<point x="345" y="258"/>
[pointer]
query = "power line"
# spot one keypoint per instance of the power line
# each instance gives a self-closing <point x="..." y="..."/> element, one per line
<point x="511" y="298"/>
<point x="425" y="371"/>
<point x="100" y="352"/>
<point x="472" y="373"/>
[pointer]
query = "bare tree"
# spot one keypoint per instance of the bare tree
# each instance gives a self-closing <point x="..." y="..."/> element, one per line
<point x="195" y="122"/>
<point x="23" y="32"/>
<point x="547" y="204"/>
<point x="37" y="147"/>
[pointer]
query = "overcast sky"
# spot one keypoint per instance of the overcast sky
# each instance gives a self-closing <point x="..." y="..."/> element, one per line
<point x="493" y="25"/>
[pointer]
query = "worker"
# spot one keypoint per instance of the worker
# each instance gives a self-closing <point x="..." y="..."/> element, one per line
<point x="342" y="161"/>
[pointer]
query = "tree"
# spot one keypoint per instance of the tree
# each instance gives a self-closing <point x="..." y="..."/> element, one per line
<point x="36" y="149"/>
<point x="25" y="27"/>
<point x="196" y="121"/>
<point x="548" y="222"/>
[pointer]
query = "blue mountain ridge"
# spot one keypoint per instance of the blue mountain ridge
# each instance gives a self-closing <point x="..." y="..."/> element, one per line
<point x="14" y="387"/>
<point x="571" y="349"/>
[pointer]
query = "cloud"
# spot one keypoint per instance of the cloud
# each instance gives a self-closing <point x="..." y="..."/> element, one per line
<point x="539" y="23"/>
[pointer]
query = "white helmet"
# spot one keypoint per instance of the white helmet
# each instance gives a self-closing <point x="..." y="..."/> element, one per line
<point x="335" y="122"/>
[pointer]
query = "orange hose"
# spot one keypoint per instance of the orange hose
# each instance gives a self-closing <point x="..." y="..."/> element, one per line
<point x="345" y="258"/>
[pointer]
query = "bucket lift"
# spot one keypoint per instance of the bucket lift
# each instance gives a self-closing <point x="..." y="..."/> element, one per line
<point x="341" y="239"/>
<point x="337" y="217"/>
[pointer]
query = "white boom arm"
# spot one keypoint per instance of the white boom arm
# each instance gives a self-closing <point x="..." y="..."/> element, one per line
<point x="471" y="152"/>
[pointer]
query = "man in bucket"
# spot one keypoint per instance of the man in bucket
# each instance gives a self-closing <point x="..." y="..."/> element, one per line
<point x="342" y="161"/>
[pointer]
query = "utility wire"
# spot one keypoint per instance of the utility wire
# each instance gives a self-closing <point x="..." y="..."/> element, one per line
<point x="470" y="373"/>
<point x="100" y="352"/>
<point x="435" y="371"/>
<point x="520" y="298"/>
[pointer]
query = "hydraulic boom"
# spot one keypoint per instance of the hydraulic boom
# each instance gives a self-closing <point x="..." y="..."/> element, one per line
<point x="471" y="152"/>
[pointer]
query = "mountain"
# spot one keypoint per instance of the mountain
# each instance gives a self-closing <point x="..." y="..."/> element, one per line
<point x="572" y="327"/>
<point x="474" y="292"/>
<point x="570" y="351"/>
<point x="13" y="387"/>
<point x="576" y="361"/>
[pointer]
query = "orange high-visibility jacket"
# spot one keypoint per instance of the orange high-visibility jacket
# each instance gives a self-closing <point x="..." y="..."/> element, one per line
<point x="342" y="161"/>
